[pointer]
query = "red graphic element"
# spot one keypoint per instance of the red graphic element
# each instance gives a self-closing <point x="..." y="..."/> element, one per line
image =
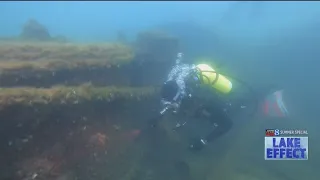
<point x="270" y="132"/>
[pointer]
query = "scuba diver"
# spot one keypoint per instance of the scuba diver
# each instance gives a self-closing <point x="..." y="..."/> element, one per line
<point x="179" y="90"/>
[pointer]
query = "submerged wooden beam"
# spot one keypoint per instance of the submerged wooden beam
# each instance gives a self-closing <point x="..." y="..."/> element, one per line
<point x="55" y="56"/>
<point x="45" y="64"/>
<point x="69" y="95"/>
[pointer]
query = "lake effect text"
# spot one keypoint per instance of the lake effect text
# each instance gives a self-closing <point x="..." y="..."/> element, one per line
<point x="289" y="148"/>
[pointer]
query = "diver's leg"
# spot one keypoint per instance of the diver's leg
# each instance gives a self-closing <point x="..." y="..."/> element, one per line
<point x="222" y="124"/>
<point x="219" y="118"/>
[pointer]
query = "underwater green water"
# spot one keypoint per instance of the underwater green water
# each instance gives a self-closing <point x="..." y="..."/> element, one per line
<point x="239" y="155"/>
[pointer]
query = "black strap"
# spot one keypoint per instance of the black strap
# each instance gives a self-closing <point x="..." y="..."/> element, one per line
<point x="200" y="72"/>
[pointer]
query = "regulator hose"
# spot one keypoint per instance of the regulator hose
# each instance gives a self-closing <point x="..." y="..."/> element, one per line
<point x="250" y="89"/>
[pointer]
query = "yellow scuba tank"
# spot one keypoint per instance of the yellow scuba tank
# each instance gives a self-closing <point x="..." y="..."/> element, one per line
<point x="209" y="76"/>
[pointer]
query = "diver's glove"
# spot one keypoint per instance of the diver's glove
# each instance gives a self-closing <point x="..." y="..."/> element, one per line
<point x="167" y="106"/>
<point x="173" y="106"/>
<point x="197" y="145"/>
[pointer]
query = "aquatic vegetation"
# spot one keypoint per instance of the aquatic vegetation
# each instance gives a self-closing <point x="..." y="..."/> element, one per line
<point x="54" y="56"/>
<point x="99" y="76"/>
<point x="43" y="64"/>
<point x="79" y="118"/>
<point x="69" y="95"/>
<point x="78" y="113"/>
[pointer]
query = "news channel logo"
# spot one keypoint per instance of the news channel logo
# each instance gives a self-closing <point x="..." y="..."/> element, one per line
<point x="286" y="148"/>
<point x="283" y="132"/>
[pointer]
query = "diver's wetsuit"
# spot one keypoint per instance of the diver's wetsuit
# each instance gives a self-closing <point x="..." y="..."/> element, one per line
<point x="175" y="90"/>
<point x="216" y="111"/>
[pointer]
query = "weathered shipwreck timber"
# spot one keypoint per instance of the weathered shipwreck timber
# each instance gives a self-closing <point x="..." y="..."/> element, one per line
<point x="47" y="64"/>
<point x="74" y="111"/>
<point x="50" y="132"/>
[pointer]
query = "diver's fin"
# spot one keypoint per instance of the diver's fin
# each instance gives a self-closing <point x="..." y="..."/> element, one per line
<point x="274" y="106"/>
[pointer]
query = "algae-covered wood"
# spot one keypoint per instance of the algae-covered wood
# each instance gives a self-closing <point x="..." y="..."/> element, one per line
<point x="53" y="56"/>
<point x="70" y="111"/>
<point x="69" y="95"/>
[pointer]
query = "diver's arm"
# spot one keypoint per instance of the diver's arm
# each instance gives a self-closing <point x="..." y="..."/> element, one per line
<point x="218" y="131"/>
<point x="221" y="124"/>
<point x="180" y="94"/>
